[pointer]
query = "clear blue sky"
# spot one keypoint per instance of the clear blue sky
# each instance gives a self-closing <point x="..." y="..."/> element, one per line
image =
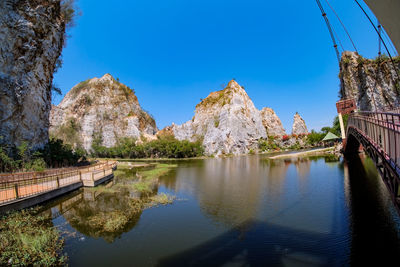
<point x="175" y="52"/>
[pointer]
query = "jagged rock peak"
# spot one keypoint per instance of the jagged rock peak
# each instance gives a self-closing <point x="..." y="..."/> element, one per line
<point x="102" y="110"/>
<point x="374" y="84"/>
<point x="31" y="41"/>
<point x="299" y="125"/>
<point x="227" y="122"/>
<point x="272" y="123"/>
<point x="222" y="97"/>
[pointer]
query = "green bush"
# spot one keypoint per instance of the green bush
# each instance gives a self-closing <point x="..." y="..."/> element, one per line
<point x="54" y="154"/>
<point x="163" y="147"/>
<point x="268" y="144"/>
<point x="314" y="137"/>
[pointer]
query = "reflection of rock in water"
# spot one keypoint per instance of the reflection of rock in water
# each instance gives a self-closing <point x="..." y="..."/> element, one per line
<point x="303" y="166"/>
<point x="277" y="170"/>
<point x="229" y="190"/>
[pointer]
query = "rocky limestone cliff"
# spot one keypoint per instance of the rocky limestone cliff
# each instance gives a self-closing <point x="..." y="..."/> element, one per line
<point x="272" y="123"/>
<point x="227" y="122"/>
<point x="100" y="109"/>
<point x="372" y="83"/>
<point x="31" y="40"/>
<point x="299" y="126"/>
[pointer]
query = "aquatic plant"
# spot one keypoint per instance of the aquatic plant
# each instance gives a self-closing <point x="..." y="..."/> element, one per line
<point x="28" y="238"/>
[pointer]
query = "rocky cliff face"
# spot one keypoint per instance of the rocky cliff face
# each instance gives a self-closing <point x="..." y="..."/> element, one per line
<point x="371" y="83"/>
<point x="299" y="126"/>
<point x="227" y="122"/>
<point x="272" y="123"/>
<point x="31" y="40"/>
<point x="101" y="110"/>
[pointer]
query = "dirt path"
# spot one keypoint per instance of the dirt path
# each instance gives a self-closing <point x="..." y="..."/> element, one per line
<point x="302" y="153"/>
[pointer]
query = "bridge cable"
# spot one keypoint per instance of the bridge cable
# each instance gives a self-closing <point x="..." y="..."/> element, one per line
<point x="379" y="40"/>
<point x="337" y="38"/>
<point x="330" y="30"/>
<point x="344" y="27"/>
<point x="389" y="42"/>
<point x="380" y="37"/>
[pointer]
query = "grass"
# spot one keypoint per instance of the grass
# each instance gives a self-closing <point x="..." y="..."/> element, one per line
<point x="78" y="88"/>
<point x="150" y="177"/>
<point x="142" y="181"/>
<point x="222" y="97"/>
<point x="161" y="199"/>
<point x="28" y="238"/>
<point x="216" y="121"/>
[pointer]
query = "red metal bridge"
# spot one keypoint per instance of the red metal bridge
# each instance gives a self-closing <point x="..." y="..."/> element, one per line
<point x="379" y="135"/>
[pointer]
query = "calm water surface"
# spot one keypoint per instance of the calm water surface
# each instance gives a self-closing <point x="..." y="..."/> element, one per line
<point x="243" y="211"/>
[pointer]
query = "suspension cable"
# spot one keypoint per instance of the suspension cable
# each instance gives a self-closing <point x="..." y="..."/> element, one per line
<point x="330" y="30"/>
<point x="389" y="42"/>
<point x="344" y="27"/>
<point x="379" y="41"/>
<point x="338" y="39"/>
<point x="380" y="37"/>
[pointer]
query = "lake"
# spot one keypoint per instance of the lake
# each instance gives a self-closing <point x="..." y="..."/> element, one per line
<point x="241" y="211"/>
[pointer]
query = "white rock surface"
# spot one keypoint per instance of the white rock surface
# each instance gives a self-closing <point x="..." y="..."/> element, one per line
<point x="100" y="107"/>
<point x="227" y="122"/>
<point x="299" y="126"/>
<point x="272" y="123"/>
<point x="31" y="40"/>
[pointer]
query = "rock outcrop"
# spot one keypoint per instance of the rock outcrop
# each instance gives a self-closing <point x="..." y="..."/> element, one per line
<point x="373" y="84"/>
<point x="226" y="122"/>
<point x="272" y="123"/>
<point x="100" y="110"/>
<point x="31" y="41"/>
<point x="299" y="126"/>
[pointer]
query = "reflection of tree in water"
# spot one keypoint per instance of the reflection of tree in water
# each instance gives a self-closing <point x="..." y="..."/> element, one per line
<point x="106" y="215"/>
<point x="108" y="211"/>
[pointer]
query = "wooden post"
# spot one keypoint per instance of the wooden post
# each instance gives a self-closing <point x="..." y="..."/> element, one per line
<point x="16" y="191"/>
<point x="58" y="182"/>
<point x="342" y="126"/>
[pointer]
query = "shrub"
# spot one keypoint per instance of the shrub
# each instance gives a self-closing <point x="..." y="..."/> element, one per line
<point x="27" y="239"/>
<point x="87" y="99"/>
<point x="216" y="122"/>
<point x="270" y="144"/>
<point x="78" y="88"/>
<point x="315" y="137"/>
<point x="285" y="137"/>
<point x="69" y="132"/>
<point x="163" y="147"/>
<point x="54" y="154"/>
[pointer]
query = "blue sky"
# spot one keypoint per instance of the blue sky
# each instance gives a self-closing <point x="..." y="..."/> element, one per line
<point x="175" y="52"/>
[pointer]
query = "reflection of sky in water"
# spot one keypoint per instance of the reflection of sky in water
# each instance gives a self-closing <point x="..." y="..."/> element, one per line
<point x="244" y="210"/>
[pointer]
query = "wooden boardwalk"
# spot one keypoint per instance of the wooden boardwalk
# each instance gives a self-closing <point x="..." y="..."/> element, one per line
<point x="30" y="188"/>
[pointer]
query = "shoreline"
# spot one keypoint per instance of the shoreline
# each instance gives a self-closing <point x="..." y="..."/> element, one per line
<point x="301" y="153"/>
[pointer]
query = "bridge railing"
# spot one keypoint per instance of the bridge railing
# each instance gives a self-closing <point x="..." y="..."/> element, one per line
<point x="16" y="186"/>
<point x="382" y="129"/>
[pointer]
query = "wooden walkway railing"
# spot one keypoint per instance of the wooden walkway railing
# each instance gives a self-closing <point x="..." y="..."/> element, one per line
<point x="19" y="186"/>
